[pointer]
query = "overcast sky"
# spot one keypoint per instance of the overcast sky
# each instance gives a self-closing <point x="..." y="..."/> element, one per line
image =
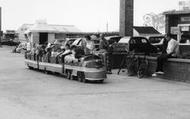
<point x="87" y="15"/>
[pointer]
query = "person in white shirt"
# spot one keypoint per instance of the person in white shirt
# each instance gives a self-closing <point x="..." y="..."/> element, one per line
<point x="28" y="46"/>
<point x="66" y="52"/>
<point x="88" y="45"/>
<point x="172" y="50"/>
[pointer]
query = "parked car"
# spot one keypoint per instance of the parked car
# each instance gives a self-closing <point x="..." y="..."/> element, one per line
<point x="113" y="39"/>
<point x="135" y="44"/>
<point x="155" y="38"/>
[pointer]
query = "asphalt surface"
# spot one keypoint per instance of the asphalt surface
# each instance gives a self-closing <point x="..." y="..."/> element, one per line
<point x="29" y="94"/>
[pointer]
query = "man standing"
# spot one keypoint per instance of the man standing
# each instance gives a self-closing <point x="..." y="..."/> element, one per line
<point x="172" y="50"/>
<point x="106" y="52"/>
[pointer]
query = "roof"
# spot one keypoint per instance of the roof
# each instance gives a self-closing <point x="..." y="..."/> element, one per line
<point x="109" y="37"/>
<point x="53" y="28"/>
<point x="146" y="30"/>
<point x="174" y="12"/>
<point x="24" y="27"/>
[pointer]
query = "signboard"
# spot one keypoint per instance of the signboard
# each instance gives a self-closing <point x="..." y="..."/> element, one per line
<point x="184" y="5"/>
<point x="174" y="30"/>
<point x="185" y="19"/>
<point x="184" y="28"/>
<point x="155" y="20"/>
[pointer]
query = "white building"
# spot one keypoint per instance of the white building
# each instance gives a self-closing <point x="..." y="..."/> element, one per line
<point x="43" y="32"/>
<point x="21" y="31"/>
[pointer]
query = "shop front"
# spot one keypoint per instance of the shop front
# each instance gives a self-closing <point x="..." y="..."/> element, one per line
<point x="178" y="24"/>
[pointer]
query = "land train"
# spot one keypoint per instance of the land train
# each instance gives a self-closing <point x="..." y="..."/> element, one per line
<point x="85" y="68"/>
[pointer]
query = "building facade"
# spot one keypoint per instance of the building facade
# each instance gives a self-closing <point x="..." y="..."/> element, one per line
<point x="178" y="24"/>
<point x="50" y="32"/>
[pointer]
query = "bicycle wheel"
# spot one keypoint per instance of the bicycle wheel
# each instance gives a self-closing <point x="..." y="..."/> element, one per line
<point x="142" y="68"/>
<point x="132" y="66"/>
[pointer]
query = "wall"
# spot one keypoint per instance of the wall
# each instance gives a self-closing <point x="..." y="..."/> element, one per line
<point x="135" y="33"/>
<point x="174" y="20"/>
<point x="175" y="69"/>
<point x="35" y="38"/>
<point x="51" y="37"/>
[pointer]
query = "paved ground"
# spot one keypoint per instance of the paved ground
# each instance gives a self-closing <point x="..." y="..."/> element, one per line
<point x="28" y="94"/>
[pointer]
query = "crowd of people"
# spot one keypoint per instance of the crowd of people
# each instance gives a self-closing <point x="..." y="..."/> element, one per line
<point x="60" y="51"/>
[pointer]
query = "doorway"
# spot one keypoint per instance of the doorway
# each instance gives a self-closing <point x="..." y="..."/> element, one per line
<point x="43" y="38"/>
<point x="185" y="37"/>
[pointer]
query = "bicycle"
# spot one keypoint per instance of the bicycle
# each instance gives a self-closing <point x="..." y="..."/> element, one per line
<point x="136" y="64"/>
<point x="142" y="64"/>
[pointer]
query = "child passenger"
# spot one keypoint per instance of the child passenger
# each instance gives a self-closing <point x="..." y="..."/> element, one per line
<point x="67" y="51"/>
<point x="71" y="56"/>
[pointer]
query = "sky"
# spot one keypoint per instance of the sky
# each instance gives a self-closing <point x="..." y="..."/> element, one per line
<point x="87" y="15"/>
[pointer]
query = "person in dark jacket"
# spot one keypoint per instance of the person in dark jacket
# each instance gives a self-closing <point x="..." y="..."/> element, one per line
<point x="106" y="53"/>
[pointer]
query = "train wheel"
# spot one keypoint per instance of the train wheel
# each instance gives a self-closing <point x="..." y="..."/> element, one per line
<point x="45" y="71"/>
<point x="69" y="74"/>
<point x="100" y="81"/>
<point x="30" y="67"/>
<point x="81" y="77"/>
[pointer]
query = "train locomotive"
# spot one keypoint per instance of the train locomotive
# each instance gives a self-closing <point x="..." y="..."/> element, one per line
<point x="84" y="68"/>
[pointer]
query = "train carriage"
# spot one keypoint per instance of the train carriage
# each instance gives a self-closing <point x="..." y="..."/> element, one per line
<point x="85" y="68"/>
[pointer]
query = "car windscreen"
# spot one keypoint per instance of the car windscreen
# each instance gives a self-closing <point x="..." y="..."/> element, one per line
<point x="124" y="40"/>
<point x="141" y="45"/>
<point x="155" y="39"/>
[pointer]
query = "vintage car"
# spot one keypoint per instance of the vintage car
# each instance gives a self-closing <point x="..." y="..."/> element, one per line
<point x="155" y="38"/>
<point x="113" y="39"/>
<point x="135" y="43"/>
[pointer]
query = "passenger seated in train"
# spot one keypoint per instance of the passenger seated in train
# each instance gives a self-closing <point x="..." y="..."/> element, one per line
<point x="33" y="52"/>
<point x="48" y="50"/>
<point x="40" y="51"/>
<point x="76" y="54"/>
<point x="66" y="51"/>
<point x="55" y="51"/>
<point x="79" y="52"/>
<point x="71" y="57"/>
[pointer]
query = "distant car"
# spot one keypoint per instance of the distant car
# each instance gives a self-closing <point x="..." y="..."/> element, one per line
<point x="10" y="42"/>
<point x="113" y="39"/>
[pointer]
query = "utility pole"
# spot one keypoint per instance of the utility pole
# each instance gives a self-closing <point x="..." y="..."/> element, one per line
<point x="107" y="27"/>
<point x="126" y="17"/>
<point x="1" y="33"/>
